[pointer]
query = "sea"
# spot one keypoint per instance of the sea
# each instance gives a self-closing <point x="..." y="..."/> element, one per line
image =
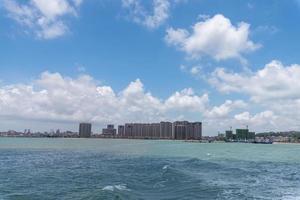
<point x="92" y="169"/>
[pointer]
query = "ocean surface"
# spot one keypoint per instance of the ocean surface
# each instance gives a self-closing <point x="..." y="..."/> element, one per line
<point x="42" y="169"/>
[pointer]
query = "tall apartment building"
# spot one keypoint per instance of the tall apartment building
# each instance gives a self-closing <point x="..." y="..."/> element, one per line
<point x="121" y="130"/>
<point x="142" y="130"/>
<point x="85" y="130"/>
<point x="128" y="130"/>
<point x="110" y="130"/>
<point x="166" y="130"/>
<point x="180" y="130"/>
<point x="184" y="130"/>
<point x="241" y="134"/>
<point x="155" y="130"/>
<point x="229" y="135"/>
<point x="197" y="131"/>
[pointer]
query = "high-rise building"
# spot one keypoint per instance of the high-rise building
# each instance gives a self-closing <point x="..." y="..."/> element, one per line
<point x="184" y="130"/>
<point x="166" y="130"/>
<point x="146" y="131"/>
<point x="85" y="130"/>
<point x="128" y="130"/>
<point x="242" y="134"/>
<point x="110" y="126"/>
<point x="229" y="135"/>
<point x="109" y="131"/>
<point x="121" y="131"/>
<point x="189" y="131"/>
<point x="180" y="130"/>
<point x="251" y="136"/>
<point x="197" y="128"/>
<point x="155" y="130"/>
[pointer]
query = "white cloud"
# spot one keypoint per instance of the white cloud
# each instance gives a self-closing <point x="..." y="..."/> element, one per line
<point x="52" y="9"/>
<point x="260" y="119"/>
<point x="274" y="90"/>
<point x="62" y="99"/>
<point x="187" y="100"/>
<point x="195" y="70"/>
<point x="43" y="17"/>
<point x="225" y="109"/>
<point x="216" y="37"/>
<point x="140" y="15"/>
<point x="58" y="99"/>
<point x="275" y="81"/>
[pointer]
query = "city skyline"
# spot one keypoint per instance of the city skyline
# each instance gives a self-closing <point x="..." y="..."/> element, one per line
<point x="164" y="130"/>
<point x="111" y="129"/>
<point x="112" y="62"/>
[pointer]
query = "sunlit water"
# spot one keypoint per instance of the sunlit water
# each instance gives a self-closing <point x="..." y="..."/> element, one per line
<point x="143" y="169"/>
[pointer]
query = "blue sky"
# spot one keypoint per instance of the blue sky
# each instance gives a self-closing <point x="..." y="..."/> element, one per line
<point x="160" y="59"/>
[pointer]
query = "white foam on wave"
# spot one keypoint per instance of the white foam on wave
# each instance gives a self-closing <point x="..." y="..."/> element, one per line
<point x="165" y="167"/>
<point x="291" y="198"/>
<point x="108" y="188"/>
<point x="121" y="187"/>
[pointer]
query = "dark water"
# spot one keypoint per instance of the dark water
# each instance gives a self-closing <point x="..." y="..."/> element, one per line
<point x="129" y="170"/>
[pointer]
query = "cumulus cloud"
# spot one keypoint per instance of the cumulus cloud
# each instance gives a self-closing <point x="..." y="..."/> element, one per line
<point x="187" y="100"/>
<point x="53" y="97"/>
<point x="273" y="82"/>
<point x="265" y="120"/>
<point x="42" y="17"/>
<point x="59" y="99"/>
<point x="259" y="119"/>
<point x="274" y="90"/>
<point x="140" y="15"/>
<point x="225" y="109"/>
<point x="216" y="37"/>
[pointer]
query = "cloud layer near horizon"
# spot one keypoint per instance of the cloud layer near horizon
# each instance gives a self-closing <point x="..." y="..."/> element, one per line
<point x="57" y="98"/>
<point x="53" y="97"/>
<point x="275" y="88"/>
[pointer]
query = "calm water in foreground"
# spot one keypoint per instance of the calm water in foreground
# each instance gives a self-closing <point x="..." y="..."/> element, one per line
<point x="142" y="169"/>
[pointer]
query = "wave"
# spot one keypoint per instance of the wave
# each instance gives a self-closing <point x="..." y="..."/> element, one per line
<point x="165" y="167"/>
<point x="120" y="187"/>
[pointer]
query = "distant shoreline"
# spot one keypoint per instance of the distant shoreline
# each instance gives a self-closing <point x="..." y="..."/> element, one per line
<point x="286" y="142"/>
<point x="121" y="138"/>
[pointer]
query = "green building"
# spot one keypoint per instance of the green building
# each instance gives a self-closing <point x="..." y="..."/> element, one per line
<point x="229" y="135"/>
<point x="251" y="136"/>
<point x="244" y="134"/>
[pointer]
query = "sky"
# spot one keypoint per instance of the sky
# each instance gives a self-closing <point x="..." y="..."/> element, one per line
<point x="225" y="63"/>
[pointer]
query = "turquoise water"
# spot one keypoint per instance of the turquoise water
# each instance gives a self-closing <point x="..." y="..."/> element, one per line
<point x="41" y="168"/>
